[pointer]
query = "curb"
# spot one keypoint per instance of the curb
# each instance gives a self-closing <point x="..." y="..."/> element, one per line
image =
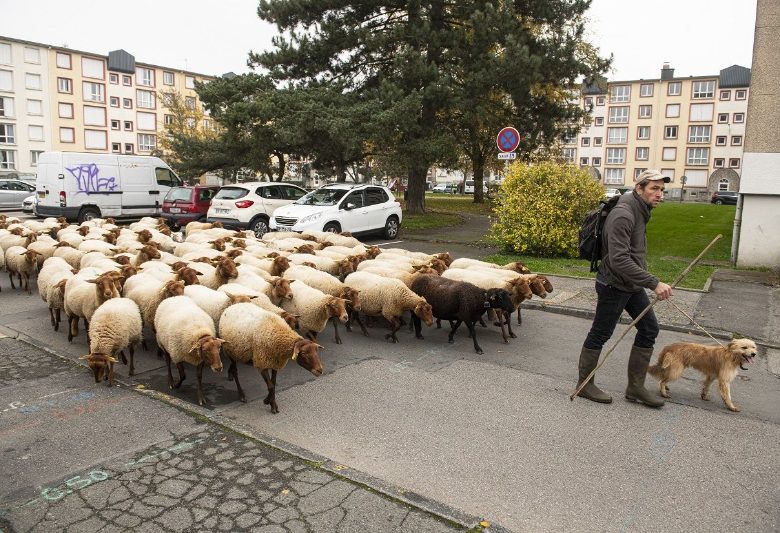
<point x="410" y="498"/>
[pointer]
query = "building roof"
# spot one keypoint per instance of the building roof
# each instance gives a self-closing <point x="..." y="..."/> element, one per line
<point x="734" y="76"/>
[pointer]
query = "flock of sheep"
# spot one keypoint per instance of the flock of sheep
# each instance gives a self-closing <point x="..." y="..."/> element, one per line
<point x="225" y="293"/>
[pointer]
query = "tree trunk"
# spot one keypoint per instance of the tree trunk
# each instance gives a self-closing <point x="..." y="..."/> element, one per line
<point x="281" y="167"/>
<point x="341" y="172"/>
<point x="415" y="192"/>
<point x="478" y="167"/>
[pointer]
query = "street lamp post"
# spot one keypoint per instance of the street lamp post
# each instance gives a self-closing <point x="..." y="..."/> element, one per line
<point x="683" y="179"/>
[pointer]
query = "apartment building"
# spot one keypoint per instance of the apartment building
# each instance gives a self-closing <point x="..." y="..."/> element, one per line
<point x="56" y="98"/>
<point x="691" y="129"/>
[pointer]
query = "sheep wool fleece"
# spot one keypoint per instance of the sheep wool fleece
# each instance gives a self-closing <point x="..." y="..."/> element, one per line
<point x="180" y="323"/>
<point x="270" y="344"/>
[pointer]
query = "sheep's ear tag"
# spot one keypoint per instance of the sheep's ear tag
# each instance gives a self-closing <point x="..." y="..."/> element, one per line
<point x="295" y="354"/>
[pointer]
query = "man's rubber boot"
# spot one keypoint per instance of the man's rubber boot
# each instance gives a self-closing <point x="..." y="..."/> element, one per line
<point x="588" y="361"/>
<point x="638" y="362"/>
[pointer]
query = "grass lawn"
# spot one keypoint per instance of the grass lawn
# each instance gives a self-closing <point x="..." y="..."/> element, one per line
<point x="676" y="234"/>
<point x="442" y="211"/>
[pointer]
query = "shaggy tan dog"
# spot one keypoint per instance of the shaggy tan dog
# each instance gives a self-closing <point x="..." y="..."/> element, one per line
<point x="715" y="362"/>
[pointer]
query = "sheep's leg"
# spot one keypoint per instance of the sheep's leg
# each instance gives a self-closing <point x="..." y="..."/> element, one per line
<point x="500" y="315"/>
<point x="473" y="331"/>
<point x="519" y="318"/>
<point x="395" y="325"/>
<point x="438" y="323"/>
<point x="53" y="322"/>
<point x="123" y="357"/>
<point x="27" y="283"/>
<point x="507" y="317"/>
<point x="360" y="323"/>
<point x="131" y="371"/>
<point x="110" y="374"/>
<point x="482" y="322"/>
<point x="233" y="373"/>
<point x="199" y="373"/>
<point x="168" y="364"/>
<point x="417" y="326"/>
<point x="58" y="317"/>
<point x="336" y="329"/>
<point x="182" y="375"/>
<point x="455" y="327"/>
<point x="143" y="345"/>
<point x="73" y="329"/>
<point x="11" y="277"/>
<point x="311" y="335"/>
<point x="271" y="398"/>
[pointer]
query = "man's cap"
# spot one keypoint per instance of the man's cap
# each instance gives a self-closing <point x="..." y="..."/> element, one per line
<point x="652" y="175"/>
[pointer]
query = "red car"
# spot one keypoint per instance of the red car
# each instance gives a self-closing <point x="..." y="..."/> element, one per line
<point x="187" y="204"/>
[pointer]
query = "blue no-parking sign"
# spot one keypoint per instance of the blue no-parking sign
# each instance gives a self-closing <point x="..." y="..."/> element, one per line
<point x="508" y="139"/>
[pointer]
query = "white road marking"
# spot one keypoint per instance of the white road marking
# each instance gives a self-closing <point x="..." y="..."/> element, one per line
<point x="55" y="394"/>
<point x="386" y="243"/>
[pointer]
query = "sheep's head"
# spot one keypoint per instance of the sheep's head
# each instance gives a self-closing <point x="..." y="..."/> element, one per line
<point x="208" y="348"/>
<point x="291" y="319"/>
<point x="173" y="288"/>
<point x="110" y="220"/>
<point x="307" y="237"/>
<point x="144" y="236"/>
<point x="345" y="267"/>
<point x="521" y="288"/>
<point x="110" y="238"/>
<point x="63" y="244"/>
<point x="273" y="255"/>
<point x="218" y="244"/>
<point x="165" y="230"/>
<point x="500" y="299"/>
<point x="127" y="272"/>
<point x="309" y="264"/>
<point x="546" y="282"/>
<point x="226" y="268"/>
<point x="373" y="251"/>
<point x="537" y="287"/>
<point x="234" y="253"/>
<point x="281" y="289"/>
<point x="105" y="286"/>
<point x="239" y="243"/>
<point x="30" y="256"/>
<point x="32" y="237"/>
<point x="279" y="265"/>
<point x="83" y="230"/>
<point x="305" y="249"/>
<point x="188" y="275"/>
<point x="519" y="267"/>
<point x="424" y="310"/>
<point x="306" y="353"/>
<point x="102" y="365"/>
<point x="446" y="257"/>
<point x="337" y="307"/>
<point x="121" y="259"/>
<point x="438" y="265"/>
<point x="148" y="252"/>
<point x="346" y="234"/>
<point x="217" y="225"/>
<point x="178" y="265"/>
<point x="239" y="298"/>
<point x="352" y="296"/>
<point x="16" y="231"/>
<point x="241" y="234"/>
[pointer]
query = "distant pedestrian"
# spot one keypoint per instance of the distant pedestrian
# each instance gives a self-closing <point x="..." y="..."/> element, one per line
<point x="620" y="285"/>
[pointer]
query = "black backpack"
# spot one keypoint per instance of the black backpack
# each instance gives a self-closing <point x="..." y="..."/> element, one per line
<point x="590" y="242"/>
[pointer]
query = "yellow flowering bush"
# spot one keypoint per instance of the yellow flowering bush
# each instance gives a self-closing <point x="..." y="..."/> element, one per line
<point x="540" y="208"/>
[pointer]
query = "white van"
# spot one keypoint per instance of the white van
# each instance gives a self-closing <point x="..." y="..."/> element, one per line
<point x="82" y="186"/>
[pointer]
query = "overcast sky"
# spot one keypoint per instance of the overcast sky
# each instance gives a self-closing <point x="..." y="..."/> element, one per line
<point x="698" y="37"/>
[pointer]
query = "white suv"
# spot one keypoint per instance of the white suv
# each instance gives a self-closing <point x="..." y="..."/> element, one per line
<point x="342" y="207"/>
<point x="250" y="205"/>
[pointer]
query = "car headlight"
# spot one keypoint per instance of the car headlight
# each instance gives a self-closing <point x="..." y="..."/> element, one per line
<point x="310" y="218"/>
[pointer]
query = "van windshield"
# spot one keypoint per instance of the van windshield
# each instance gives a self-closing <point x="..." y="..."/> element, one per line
<point x="322" y="197"/>
<point x="179" y="194"/>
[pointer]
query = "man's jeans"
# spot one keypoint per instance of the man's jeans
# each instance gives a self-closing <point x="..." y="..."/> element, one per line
<point x="611" y="304"/>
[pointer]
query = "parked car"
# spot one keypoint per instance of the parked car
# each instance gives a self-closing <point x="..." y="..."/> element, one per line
<point x="611" y="193"/>
<point x="725" y="197"/>
<point x="449" y="188"/>
<point x="14" y="192"/>
<point x="342" y="207"/>
<point x="28" y="205"/>
<point x="187" y="204"/>
<point x="250" y="205"/>
<point x="468" y="187"/>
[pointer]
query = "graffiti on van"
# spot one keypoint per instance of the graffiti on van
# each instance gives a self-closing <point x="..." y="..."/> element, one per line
<point x="88" y="179"/>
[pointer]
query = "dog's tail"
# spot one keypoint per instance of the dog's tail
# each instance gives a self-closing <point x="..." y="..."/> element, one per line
<point x="657" y="369"/>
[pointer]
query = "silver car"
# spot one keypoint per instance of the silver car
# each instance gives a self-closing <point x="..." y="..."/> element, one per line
<point x="14" y="192"/>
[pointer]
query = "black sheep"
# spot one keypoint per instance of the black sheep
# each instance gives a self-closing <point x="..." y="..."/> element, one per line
<point x="459" y="301"/>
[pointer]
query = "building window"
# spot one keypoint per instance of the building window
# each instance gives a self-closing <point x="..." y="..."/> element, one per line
<point x="642" y="153"/>
<point x="32" y="81"/>
<point x="723" y="118"/>
<point x="34" y="107"/>
<point x="168" y="120"/>
<point x="67" y="135"/>
<point x="670" y="132"/>
<point x="92" y="68"/>
<point x="585" y="141"/>
<point x="645" y="111"/>
<point x="698" y="156"/>
<point x="597" y="141"/>
<point x="7" y="107"/>
<point x="146" y="142"/>
<point x="94" y="92"/>
<point x="583" y="161"/>
<point x="145" y="100"/>
<point x="64" y="85"/>
<point x="669" y="154"/>
<point x="167" y="78"/>
<point x="206" y="124"/>
<point x="619" y="93"/>
<point x="65" y="110"/>
<point x="618" y="115"/>
<point x="569" y="154"/>
<point x="127" y="81"/>
<point x="189" y="82"/>
<point x="114" y="124"/>
<point x="116" y="148"/>
<point x="637" y="172"/>
<point x="63" y="60"/>
<point x="669" y="173"/>
<point x="615" y="176"/>
<point x="617" y="135"/>
<point x="146" y="121"/>
<point x="600" y="100"/>
<point x="643" y="132"/>
<point x="144" y="76"/>
<point x="35" y="133"/>
<point x="32" y="55"/>
<point x="113" y="78"/>
<point x="596" y="161"/>
<point x="95" y="140"/>
<point x="569" y="137"/>
<point x="739" y="118"/>
<point x="736" y="140"/>
<point x="34" y="155"/>
<point x="646" y="89"/>
<point x="719" y="162"/>
<point x="703" y="89"/>
<point x="114" y="101"/>
<point x="5" y="53"/>
<point x="734" y="162"/>
<point x="127" y="103"/>
<point x="699" y="134"/>
<point x="598" y="121"/>
<point x="672" y="110"/>
<point x="129" y="148"/>
<point x="589" y="103"/>
<point x="128" y="125"/>
<point x="616" y="156"/>
<point x="7" y="160"/>
<point x="741" y="94"/>
<point x="725" y="95"/>
<point x="720" y="140"/>
<point x="6" y="80"/>
<point x="190" y="123"/>
<point x="7" y="134"/>
<point x="701" y="112"/>
<point x="189" y="102"/>
<point x="94" y="116"/>
<point x="674" y="88"/>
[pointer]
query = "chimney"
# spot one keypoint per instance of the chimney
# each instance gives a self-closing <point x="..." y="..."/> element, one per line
<point x="667" y="72"/>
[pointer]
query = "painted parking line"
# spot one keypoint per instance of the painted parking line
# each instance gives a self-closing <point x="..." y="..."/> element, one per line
<point x="386" y="243"/>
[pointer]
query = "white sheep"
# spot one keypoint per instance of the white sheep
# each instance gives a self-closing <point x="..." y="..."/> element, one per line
<point x="261" y="300"/>
<point x="214" y="302"/>
<point x="186" y="334"/>
<point x="253" y="335"/>
<point x="69" y="254"/>
<point x="314" y="309"/>
<point x="84" y="296"/>
<point x="116" y="325"/>
<point x="22" y="262"/>
<point x="466" y="262"/>
<point x="149" y="292"/>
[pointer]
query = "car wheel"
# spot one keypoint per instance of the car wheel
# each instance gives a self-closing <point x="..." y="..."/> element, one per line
<point x="391" y="228"/>
<point x="332" y="227"/>
<point x="88" y="213"/>
<point x="719" y="202"/>
<point x="259" y="226"/>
